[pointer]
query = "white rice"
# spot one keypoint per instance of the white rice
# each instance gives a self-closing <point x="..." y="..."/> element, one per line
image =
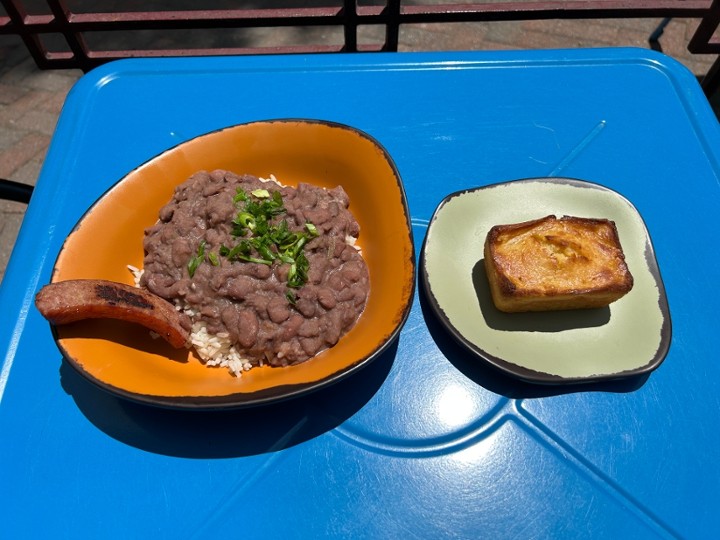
<point x="272" y="179"/>
<point x="136" y="272"/>
<point x="214" y="350"/>
<point x="217" y="350"/>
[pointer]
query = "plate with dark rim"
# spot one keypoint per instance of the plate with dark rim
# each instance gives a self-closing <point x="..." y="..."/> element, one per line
<point x="124" y="360"/>
<point x="630" y="337"/>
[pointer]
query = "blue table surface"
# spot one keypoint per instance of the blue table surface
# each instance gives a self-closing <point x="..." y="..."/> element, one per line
<point x="425" y="442"/>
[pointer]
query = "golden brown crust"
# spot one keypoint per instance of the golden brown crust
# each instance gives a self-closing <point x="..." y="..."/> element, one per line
<point x="555" y="263"/>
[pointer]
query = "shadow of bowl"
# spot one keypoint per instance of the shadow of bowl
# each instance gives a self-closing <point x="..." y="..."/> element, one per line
<point x="205" y="434"/>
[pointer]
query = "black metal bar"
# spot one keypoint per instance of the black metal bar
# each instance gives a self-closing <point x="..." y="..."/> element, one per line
<point x="350" y="25"/>
<point x="350" y="16"/>
<point x="578" y="9"/>
<point x="654" y="39"/>
<point x="711" y="81"/>
<point x="702" y="40"/>
<point x="15" y="191"/>
<point x="74" y="39"/>
<point x="16" y="15"/>
<point x="393" y="12"/>
<point x="392" y="25"/>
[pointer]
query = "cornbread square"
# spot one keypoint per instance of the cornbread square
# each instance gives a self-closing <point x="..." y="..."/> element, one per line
<point x="556" y="263"/>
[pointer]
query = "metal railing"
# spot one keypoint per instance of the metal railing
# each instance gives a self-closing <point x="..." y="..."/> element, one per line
<point x="348" y="15"/>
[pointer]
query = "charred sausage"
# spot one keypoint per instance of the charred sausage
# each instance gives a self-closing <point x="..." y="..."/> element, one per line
<point x="74" y="300"/>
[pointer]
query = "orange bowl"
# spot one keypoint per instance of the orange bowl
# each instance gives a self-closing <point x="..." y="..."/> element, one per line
<point x="125" y="360"/>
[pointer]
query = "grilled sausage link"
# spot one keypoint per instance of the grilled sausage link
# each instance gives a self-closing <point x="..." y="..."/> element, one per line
<point x="73" y="300"/>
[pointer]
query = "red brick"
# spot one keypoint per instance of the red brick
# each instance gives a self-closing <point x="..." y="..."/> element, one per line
<point x="11" y="159"/>
<point x="37" y="120"/>
<point x="28" y="102"/>
<point x="450" y="36"/>
<point x="503" y="32"/>
<point x="54" y="103"/>
<point x="9" y="227"/>
<point x="581" y="31"/>
<point x="10" y="93"/>
<point x="690" y="28"/>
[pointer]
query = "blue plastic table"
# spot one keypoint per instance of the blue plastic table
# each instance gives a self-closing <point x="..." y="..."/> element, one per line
<point x="426" y="442"/>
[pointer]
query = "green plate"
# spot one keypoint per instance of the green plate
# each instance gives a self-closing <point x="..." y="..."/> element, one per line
<point x="628" y="338"/>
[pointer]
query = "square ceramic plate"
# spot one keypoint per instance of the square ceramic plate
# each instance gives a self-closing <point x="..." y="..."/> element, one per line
<point x="124" y="360"/>
<point x="630" y="337"/>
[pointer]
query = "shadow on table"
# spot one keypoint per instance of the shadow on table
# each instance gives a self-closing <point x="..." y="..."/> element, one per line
<point x="498" y="382"/>
<point x="232" y="433"/>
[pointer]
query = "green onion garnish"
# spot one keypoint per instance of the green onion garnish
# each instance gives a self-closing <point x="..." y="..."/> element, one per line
<point x="262" y="241"/>
<point x="197" y="260"/>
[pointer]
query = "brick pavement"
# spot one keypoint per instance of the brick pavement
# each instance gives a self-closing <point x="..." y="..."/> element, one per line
<point x="31" y="100"/>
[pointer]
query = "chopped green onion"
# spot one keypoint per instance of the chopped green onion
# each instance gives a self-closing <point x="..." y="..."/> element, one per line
<point x="297" y="277"/>
<point x="245" y="220"/>
<point x="268" y="240"/>
<point x="197" y="260"/>
<point x="240" y="196"/>
<point x="292" y="273"/>
<point x="243" y="248"/>
<point x="254" y="260"/>
<point x="312" y="229"/>
<point x="266" y="252"/>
